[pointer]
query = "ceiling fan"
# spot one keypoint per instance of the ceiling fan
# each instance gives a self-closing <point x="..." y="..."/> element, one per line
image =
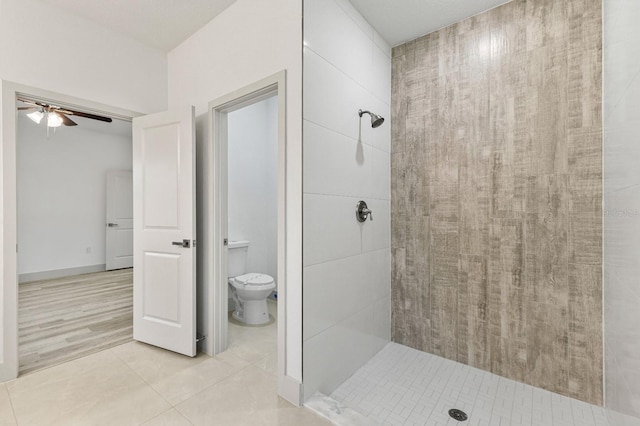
<point x="56" y="115"/>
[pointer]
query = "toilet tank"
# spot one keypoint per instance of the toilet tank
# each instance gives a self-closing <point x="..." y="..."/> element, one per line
<point x="237" y="258"/>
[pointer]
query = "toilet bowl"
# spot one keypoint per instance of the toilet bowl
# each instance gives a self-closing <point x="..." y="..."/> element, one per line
<point x="250" y="292"/>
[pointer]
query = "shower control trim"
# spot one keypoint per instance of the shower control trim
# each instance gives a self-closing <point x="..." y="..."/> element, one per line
<point x="363" y="212"/>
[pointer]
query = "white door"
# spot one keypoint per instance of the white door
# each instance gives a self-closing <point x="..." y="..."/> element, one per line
<point x="164" y="291"/>
<point x="119" y="219"/>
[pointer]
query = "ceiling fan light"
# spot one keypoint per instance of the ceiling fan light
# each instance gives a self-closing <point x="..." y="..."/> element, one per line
<point x="36" y="116"/>
<point x="54" y="120"/>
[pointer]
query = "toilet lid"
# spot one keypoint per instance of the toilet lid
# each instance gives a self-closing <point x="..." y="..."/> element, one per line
<point x="254" y="279"/>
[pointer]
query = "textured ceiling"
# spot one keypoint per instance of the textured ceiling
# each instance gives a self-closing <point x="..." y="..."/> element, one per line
<point x="162" y="24"/>
<point x="399" y="21"/>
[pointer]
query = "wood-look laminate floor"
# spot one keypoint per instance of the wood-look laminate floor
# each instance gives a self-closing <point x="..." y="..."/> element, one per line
<point x="67" y="318"/>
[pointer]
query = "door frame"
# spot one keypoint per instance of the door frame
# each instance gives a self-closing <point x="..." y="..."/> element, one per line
<point x="216" y="220"/>
<point x="9" y="360"/>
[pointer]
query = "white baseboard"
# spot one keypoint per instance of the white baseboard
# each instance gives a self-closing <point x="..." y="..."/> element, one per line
<point x="59" y="273"/>
<point x="290" y="389"/>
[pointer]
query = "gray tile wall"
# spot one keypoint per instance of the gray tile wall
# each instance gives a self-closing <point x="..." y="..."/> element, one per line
<point x="496" y="188"/>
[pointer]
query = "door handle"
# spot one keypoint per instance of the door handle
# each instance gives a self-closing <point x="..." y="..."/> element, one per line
<point x="112" y="225"/>
<point x="183" y="243"/>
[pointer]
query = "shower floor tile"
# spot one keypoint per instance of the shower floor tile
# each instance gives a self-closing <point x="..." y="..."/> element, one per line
<point x="404" y="386"/>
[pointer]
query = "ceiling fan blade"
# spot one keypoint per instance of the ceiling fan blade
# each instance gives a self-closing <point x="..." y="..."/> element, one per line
<point x="25" y="108"/>
<point x="66" y="120"/>
<point x="28" y="102"/>
<point x="64" y="112"/>
<point x="87" y="115"/>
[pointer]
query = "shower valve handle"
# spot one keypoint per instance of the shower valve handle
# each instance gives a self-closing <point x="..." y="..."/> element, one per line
<point x="363" y="212"/>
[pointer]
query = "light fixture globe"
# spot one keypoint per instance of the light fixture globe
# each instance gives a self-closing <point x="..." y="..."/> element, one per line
<point x="36" y="116"/>
<point x="53" y="120"/>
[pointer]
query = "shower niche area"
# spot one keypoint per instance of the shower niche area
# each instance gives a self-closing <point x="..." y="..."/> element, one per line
<point x="500" y="266"/>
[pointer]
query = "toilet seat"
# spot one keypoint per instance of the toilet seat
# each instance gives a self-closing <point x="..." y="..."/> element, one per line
<point x="252" y="280"/>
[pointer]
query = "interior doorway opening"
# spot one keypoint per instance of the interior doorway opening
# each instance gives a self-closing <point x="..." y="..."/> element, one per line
<point x="68" y="304"/>
<point x="216" y="213"/>
<point x="252" y="208"/>
<point x="75" y="244"/>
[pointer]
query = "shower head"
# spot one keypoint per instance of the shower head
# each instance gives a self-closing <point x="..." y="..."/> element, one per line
<point x="376" y="120"/>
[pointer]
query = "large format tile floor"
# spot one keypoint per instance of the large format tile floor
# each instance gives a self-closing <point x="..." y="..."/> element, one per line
<point x="136" y="384"/>
<point x="403" y="386"/>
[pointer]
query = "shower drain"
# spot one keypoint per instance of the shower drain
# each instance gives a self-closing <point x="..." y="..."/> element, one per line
<point x="458" y="415"/>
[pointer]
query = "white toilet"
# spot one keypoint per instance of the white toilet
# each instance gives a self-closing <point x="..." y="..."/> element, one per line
<point x="248" y="290"/>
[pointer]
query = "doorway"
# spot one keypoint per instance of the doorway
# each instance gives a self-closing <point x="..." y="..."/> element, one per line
<point x="74" y="212"/>
<point x="216" y="220"/>
<point x="252" y="208"/>
<point x="9" y="285"/>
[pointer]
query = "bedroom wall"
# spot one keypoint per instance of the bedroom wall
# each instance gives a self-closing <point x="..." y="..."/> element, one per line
<point x="62" y="194"/>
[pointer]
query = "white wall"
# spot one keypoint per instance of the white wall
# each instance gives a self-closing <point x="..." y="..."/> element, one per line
<point x="249" y="41"/>
<point x="45" y="47"/>
<point x="621" y="114"/>
<point x="253" y="184"/>
<point x="62" y="194"/>
<point x="347" y="279"/>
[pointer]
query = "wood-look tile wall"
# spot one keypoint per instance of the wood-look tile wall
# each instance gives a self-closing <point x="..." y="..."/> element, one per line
<point x="496" y="188"/>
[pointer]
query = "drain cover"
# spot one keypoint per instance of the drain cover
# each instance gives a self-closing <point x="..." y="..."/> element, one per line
<point x="458" y="415"/>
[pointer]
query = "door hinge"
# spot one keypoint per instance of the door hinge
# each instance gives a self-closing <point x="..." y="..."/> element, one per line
<point x="200" y="338"/>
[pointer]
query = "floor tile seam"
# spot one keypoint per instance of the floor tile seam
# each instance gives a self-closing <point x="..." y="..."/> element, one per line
<point x="141" y="378"/>
<point x="249" y="365"/>
<point x="13" y="410"/>
<point x="224" y="379"/>
<point x="264" y="359"/>
<point x="167" y="411"/>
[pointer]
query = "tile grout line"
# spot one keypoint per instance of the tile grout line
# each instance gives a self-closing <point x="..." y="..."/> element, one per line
<point x="172" y="406"/>
<point x="351" y="138"/>
<point x="143" y="380"/>
<point x="214" y="384"/>
<point x="352" y="79"/>
<point x="165" y="412"/>
<point x="13" y="410"/>
<point x="345" y="257"/>
<point x="347" y="196"/>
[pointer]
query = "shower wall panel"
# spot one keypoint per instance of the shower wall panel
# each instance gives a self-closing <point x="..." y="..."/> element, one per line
<point x="622" y="205"/>
<point x="496" y="188"/>
<point x="346" y="264"/>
